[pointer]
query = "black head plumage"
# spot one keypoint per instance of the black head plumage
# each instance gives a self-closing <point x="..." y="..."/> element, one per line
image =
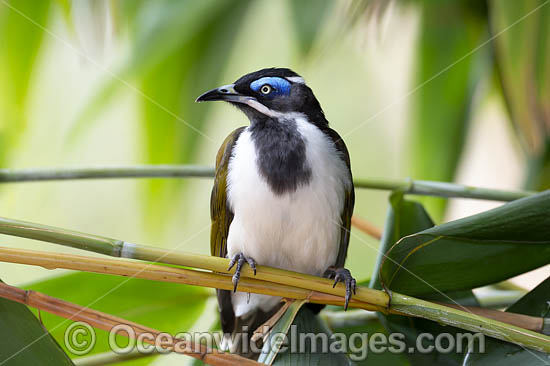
<point x="271" y="93"/>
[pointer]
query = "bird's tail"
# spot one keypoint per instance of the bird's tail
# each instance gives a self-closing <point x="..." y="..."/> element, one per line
<point x="239" y="331"/>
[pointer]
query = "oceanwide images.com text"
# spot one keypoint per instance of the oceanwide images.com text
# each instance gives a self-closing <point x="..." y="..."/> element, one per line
<point x="80" y="339"/>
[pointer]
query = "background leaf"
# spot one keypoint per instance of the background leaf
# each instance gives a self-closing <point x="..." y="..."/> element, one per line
<point x="307" y="322"/>
<point x="473" y="251"/>
<point x="308" y="17"/>
<point x="23" y="340"/>
<point x="447" y="80"/>
<point x="176" y="55"/>
<point x="535" y="303"/>
<point x="20" y="42"/>
<point x="370" y="326"/>
<point x="522" y="54"/>
<point x="272" y="346"/>
<point x="194" y="66"/>
<point x="166" y="306"/>
<point x="405" y="218"/>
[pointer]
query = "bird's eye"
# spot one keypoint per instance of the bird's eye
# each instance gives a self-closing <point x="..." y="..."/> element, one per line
<point x="265" y="89"/>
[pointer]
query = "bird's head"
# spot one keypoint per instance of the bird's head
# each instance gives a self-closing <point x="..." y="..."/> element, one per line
<point x="270" y="93"/>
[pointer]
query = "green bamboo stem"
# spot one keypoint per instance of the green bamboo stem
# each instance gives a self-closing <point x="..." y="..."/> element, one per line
<point x="409" y="186"/>
<point x="401" y="304"/>
<point x="469" y="321"/>
<point x="122" y="249"/>
<point x="105" y="172"/>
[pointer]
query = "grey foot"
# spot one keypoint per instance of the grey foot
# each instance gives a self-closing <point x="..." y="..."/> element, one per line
<point x="344" y="276"/>
<point x="240" y="259"/>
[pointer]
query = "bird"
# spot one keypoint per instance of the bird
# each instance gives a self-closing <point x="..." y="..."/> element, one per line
<point x="283" y="193"/>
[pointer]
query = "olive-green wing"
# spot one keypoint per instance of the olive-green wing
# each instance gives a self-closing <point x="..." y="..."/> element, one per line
<point x="349" y="200"/>
<point x="221" y="216"/>
<point x="220" y="212"/>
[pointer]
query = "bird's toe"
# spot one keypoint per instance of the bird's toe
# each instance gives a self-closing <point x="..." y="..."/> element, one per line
<point x="343" y="275"/>
<point x="239" y="259"/>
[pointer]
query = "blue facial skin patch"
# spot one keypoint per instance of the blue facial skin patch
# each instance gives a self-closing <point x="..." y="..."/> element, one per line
<point x="280" y="86"/>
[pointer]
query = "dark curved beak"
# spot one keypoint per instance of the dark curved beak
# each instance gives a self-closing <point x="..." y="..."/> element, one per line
<point x="226" y="93"/>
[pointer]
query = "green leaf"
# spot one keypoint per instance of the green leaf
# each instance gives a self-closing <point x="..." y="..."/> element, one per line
<point x="308" y="322"/>
<point x="473" y="251"/>
<point x="522" y="55"/>
<point x="23" y="340"/>
<point x="404" y="218"/>
<point x="273" y="345"/>
<point x="535" y="303"/>
<point x="446" y="77"/>
<point x="20" y="42"/>
<point x="308" y="17"/>
<point x="167" y="307"/>
<point x="369" y="326"/>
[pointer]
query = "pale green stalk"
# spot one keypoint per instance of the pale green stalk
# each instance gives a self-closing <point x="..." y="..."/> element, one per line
<point x="119" y="248"/>
<point x="409" y="186"/>
<point x="466" y="320"/>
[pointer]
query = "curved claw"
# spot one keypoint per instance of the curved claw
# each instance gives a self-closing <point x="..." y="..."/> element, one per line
<point x="344" y="276"/>
<point x="239" y="259"/>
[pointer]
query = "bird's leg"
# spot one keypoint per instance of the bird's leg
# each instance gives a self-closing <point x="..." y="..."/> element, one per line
<point x="344" y="276"/>
<point x="239" y="259"/>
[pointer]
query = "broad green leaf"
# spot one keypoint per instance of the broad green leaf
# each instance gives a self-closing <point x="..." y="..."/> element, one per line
<point x="522" y="54"/>
<point x="20" y="41"/>
<point x="306" y="322"/>
<point x="473" y="251"/>
<point x="272" y="345"/>
<point x="167" y="307"/>
<point x="23" y="340"/>
<point x="445" y="79"/>
<point x="369" y="326"/>
<point x="406" y="218"/>
<point x="535" y="303"/>
<point x="412" y="328"/>
<point x="308" y="17"/>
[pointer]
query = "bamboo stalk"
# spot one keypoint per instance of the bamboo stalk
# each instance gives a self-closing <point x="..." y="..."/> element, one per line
<point x="185" y="276"/>
<point x="119" y="248"/>
<point x="472" y="322"/>
<point x="401" y="304"/>
<point x="104" y="321"/>
<point x="518" y="320"/>
<point x="409" y="186"/>
<point x="105" y="172"/>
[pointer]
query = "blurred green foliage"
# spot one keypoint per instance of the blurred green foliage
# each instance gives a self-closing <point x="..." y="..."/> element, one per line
<point x="20" y="42"/>
<point x="522" y="56"/>
<point x="177" y="49"/>
<point x="447" y="75"/>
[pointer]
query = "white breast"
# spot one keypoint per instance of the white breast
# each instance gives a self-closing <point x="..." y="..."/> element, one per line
<point x="298" y="231"/>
